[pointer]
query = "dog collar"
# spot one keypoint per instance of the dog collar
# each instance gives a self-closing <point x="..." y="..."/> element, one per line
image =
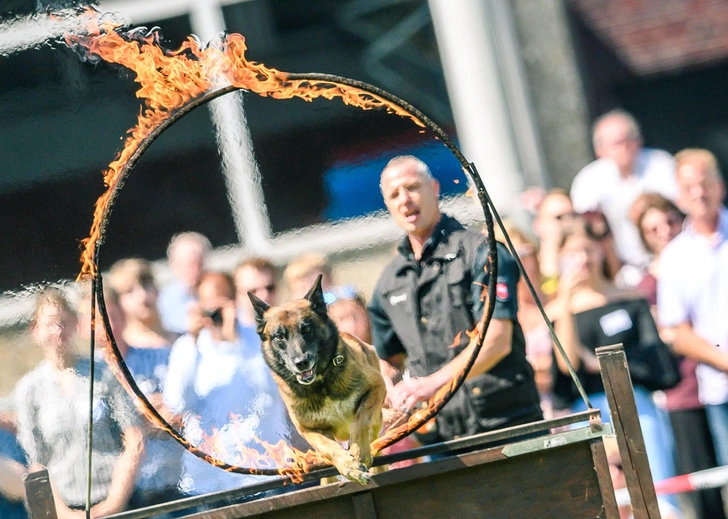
<point x="338" y="360"/>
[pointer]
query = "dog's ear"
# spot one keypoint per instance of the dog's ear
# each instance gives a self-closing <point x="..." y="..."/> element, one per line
<point x="315" y="296"/>
<point x="260" y="307"/>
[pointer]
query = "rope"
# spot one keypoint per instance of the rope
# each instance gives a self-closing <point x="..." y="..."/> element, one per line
<point x="92" y="344"/>
<point x="531" y="289"/>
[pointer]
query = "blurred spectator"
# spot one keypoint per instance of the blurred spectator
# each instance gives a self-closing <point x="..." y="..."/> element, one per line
<point x="553" y="213"/>
<point x="161" y="468"/>
<point x="623" y="170"/>
<point x="692" y="289"/>
<point x="12" y="465"/>
<point x="590" y="312"/>
<point x="556" y="214"/>
<point x="223" y="388"/>
<point x="186" y="254"/>
<point x="659" y="222"/>
<point x="256" y="275"/>
<point x="301" y="273"/>
<point x="52" y="419"/>
<point x="539" y="343"/>
<point x="133" y="281"/>
<point x="348" y="310"/>
<point x="429" y="295"/>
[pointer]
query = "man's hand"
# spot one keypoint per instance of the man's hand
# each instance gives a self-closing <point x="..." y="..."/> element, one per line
<point x="409" y="393"/>
<point x="195" y="320"/>
<point x="63" y="512"/>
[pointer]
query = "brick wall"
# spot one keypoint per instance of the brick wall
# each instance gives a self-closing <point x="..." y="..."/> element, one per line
<point x="659" y="35"/>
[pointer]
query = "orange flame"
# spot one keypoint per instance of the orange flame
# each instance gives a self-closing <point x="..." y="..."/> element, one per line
<point x="287" y="460"/>
<point x="171" y="80"/>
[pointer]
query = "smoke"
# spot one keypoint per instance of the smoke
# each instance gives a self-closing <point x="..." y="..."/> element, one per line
<point x="32" y="31"/>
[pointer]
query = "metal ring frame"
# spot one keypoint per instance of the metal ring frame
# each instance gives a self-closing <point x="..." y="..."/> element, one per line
<point x="97" y="282"/>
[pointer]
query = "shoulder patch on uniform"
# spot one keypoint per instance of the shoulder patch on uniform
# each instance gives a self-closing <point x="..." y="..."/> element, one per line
<point x="401" y="298"/>
<point x="501" y="290"/>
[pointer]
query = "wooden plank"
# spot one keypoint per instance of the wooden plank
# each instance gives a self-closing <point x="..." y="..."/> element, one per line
<point x="364" y="506"/>
<point x="39" y="495"/>
<point x="548" y="484"/>
<point x="625" y="420"/>
<point x="601" y="466"/>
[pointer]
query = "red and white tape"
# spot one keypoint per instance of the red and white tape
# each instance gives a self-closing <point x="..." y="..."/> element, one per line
<point x="709" y="478"/>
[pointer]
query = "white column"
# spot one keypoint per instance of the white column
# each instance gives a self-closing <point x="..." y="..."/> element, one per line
<point x="241" y="172"/>
<point x="477" y="98"/>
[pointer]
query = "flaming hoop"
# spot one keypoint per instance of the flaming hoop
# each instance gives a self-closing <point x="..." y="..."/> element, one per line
<point x="172" y="85"/>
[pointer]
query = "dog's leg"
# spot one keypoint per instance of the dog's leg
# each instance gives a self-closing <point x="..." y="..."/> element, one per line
<point x="323" y="442"/>
<point x="367" y="423"/>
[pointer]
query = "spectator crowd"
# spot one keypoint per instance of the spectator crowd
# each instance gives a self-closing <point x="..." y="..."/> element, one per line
<point x="636" y="252"/>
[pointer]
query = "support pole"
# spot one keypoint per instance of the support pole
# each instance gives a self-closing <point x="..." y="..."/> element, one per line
<point x="625" y="420"/>
<point x="242" y="177"/>
<point x="39" y="495"/>
<point x="469" y="55"/>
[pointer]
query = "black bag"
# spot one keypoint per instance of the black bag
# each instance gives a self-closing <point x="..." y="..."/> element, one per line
<point x="654" y="366"/>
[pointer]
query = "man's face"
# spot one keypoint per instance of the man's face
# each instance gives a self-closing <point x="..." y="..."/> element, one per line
<point x="411" y="199"/>
<point x="616" y="142"/>
<point x="701" y="190"/>
<point x="261" y="283"/>
<point x="116" y="319"/>
<point x="214" y="294"/>
<point x="188" y="263"/>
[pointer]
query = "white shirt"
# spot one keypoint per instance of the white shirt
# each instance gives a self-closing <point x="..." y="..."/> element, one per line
<point x="224" y="387"/>
<point x="599" y="186"/>
<point x="693" y="288"/>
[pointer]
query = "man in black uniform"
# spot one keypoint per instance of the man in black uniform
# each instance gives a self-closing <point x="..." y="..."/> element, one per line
<point x="429" y="293"/>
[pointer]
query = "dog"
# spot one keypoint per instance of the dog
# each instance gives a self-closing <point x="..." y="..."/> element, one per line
<point x="330" y="382"/>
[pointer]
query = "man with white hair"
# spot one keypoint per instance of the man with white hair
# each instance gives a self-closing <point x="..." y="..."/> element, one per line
<point x="429" y="295"/>
<point x="623" y="171"/>
<point x="186" y="253"/>
<point x="692" y="290"/>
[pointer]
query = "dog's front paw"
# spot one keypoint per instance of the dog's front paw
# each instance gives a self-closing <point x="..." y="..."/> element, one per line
<point x="362" y="453"/>
<point x="353" y="470"/>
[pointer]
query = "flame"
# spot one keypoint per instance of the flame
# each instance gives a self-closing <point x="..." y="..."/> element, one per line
<point x="280" y="456"/>
<point x="169" y="80"/>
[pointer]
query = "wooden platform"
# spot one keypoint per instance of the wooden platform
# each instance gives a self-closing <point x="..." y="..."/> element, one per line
<point x="523" y="472"/>
<point x="549" y="477"/>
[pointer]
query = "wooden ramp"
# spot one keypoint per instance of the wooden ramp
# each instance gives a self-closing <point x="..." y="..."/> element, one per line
<point x="552" y="476"/>
<point x="524" y="472"/>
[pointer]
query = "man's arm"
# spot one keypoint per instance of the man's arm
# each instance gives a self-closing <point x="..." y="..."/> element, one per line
<point x="388" y="346"/>
<point x="674" y="310"/>
<point x="180" y="374"/>
<point x="497" y="342"/>
<point x="124" y="474"/>
<point x="11" y="479"/>
<point x="689" y="344"/>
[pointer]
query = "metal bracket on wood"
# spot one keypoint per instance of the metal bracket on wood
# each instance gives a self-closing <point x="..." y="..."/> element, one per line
<point x="39" y="495"/>
<point x="364" y="506"/>
<point x="595" y="423"/>
<point x="625" y="420"/>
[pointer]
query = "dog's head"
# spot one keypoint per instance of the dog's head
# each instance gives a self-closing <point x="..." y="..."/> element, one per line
<point x="299" y="340"/>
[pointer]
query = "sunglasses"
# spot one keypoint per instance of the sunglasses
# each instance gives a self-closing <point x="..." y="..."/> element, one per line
<point x="342" y="293"/>
<point x="266" y="288"/>
<point x="671" y="221"/>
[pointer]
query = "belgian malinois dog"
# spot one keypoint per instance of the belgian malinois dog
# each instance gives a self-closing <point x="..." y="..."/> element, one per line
<point x="330" y="382"/>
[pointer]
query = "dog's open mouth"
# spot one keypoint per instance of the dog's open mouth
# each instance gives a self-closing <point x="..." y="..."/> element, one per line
<point x="306" y="377"/>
